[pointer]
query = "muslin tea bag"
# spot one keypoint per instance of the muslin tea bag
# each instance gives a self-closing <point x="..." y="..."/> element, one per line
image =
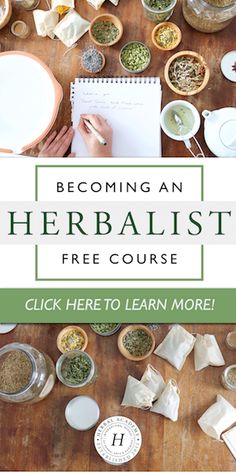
<point x="207" y="352"/>
<point x="176" y="346"/>
<point x="45" y="22"/>
<point x="96" y="3"/>
<point x="62" y="6"/>
<point x="137" y="394"/>
<point x="218" y="418"/>
<point x="153" y="380"/>
<point x="168" y="403"/>
<point x="70" y="29"/>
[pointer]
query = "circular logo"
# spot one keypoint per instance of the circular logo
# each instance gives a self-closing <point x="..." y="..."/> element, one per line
<point x="117" y="440"/>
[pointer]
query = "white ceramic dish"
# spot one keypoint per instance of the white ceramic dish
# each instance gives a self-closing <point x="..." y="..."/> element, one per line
<point x="82" y="413"/>
<point x="220" y="131"/>
<point x="30" y="97"/>
<point x="6" y="328"/>
<point x="228" y="66"/>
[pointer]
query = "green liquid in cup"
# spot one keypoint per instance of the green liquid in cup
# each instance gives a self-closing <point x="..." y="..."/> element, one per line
<point x="186" y="116"/>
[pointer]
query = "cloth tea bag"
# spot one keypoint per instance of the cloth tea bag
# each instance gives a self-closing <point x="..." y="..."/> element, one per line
<point x="137" y="394"/>
<point x="207" y="352"/>
<point x="168" y="403"/>
<point x="176" y="346"/>
<point x="115" y="2"/>
<point x="153" y="380"/>
<point x="45" y="22"/>
<point x="218" y="418"/>
<point x="62" y="6"/>
<point x="70" y="29"/>
<point x="96" y="3"/>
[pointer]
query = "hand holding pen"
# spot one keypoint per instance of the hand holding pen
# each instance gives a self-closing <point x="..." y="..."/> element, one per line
<point x="96" y="132"/>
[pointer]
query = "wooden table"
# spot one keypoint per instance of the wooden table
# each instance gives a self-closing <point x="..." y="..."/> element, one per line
<point x="37" y="437"/>
<point x="219" y="92"/>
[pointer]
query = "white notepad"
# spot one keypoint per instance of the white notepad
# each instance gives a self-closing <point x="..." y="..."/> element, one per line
<point x="130" y="105"/>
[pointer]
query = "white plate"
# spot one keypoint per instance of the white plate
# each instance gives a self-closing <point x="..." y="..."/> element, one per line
<point x="30" y="97"/>
<point x="227" y="66"/>
<point x="6" y="328"/>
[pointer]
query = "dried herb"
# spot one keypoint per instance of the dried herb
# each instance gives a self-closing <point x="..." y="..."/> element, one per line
<point x="75" y="370"/>
<point x="158" y="4"/>
<point x="103" y="327"/>
<point x="72" y="339"/>
<point x="137" y="342"/>
<point x="92" y="60"/>
<point x="186" y="73"/>
<point x="15" y="372"/>
<point x="135" y="56"/>
<point x="231" y="377"/>
<point x="105" y="32"/>
<point x="166" y="37"/>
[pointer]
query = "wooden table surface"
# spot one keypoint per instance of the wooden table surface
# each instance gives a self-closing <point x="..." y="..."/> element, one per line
<point x="218" y="93"/>
<point x="37" y="437"/>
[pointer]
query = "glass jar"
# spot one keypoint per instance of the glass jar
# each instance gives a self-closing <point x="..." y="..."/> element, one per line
<point x="207" y="18"/>
<point x="31" y="374"/>
<point x="28" y="4"/>
<point x="157" y="15"/>
<point x="228" y="377"/>
<point x="231" y="340"/>
<point x="64" y="364"/>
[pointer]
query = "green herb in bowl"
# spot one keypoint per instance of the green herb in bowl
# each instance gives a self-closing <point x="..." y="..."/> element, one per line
<point x="75" y="369"/>
<point x="105" y="32"/>
<point x="135" y="57"/>
<point x="137" y="342"/>
<point x="105" y="329"/>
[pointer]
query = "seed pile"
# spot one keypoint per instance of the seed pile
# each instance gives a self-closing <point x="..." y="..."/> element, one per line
<point x="231" y="377"/>
<point x="75" y="370"/>
<point x="15" y="372"/>
<point x="135" y="57"/>
<point x="137" y="342"/>
<point x="105" y="32"/>
<point x="91" y="60"/>
<point x="186" y="74"/>
<point x="158" y="4"/>
<point x="166" y="37"/>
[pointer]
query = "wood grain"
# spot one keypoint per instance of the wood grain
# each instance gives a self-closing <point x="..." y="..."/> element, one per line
<point x="218" y="93"/>
<point x="37" y="437"/>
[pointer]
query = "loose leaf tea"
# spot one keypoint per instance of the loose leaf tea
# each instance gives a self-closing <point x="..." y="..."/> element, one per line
<point x="186" y="73"/>
<point x="158" y="4"/>
<point x="166" y="37"/>
<point x="92" y="60"/>
<point x="103" y="327"/>
<point x="15" y="372"/>
<point x="231" y="376"/>
<point x="105" y="32"/>
<point x="73" y="339"/>
<point x="137" y="342"/>
<point x="135" y="56"/>
<point x="76" y="369"/>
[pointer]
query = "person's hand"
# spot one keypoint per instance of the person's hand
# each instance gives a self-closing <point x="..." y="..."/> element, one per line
<point x="96" y="149"/>
<point x="58" y="144"/>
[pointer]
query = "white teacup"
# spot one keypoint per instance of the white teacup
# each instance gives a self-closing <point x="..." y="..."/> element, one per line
<point x="196" y="123"/>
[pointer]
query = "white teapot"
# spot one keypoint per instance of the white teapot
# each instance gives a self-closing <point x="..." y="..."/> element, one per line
<point x="220" y="131"/>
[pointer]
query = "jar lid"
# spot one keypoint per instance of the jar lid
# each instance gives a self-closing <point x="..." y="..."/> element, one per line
<point x="228" y="66"/>
<point x="82" y="413"/>
<point x="6" y="328"/>
<point x="117" y="440"/>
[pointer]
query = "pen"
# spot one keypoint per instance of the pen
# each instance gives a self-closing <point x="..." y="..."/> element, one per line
<point x="95" y="132"/>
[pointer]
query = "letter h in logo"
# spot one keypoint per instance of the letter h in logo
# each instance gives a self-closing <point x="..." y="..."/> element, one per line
<point x="116" y="438"/>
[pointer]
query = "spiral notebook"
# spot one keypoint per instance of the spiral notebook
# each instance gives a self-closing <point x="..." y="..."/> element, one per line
<point x="130" y="105"/>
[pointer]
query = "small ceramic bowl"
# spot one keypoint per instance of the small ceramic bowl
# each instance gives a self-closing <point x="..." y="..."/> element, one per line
<point x="7" y="13"/>
<point x="196" y="56"/>
<point x="65" y="331"/>
<point x="163" y="25"/>
<point x="107" y="333"/>
<point x="125" y="352"/>
<point x="106" y="17"/>
<point x="138" y="71"/>
<point x="66" y="357"/>
<point x="99" y="70"/>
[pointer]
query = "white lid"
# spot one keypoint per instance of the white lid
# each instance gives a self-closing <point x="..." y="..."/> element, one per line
<point x="82" y="413"/>
<point x="117" y="440"/>
<point x="228" y="66"/>
<point x="6" y="328"/>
